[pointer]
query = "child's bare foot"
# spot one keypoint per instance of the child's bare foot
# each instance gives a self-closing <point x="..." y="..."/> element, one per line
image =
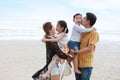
<point x="45" y="75"/>
<point x="77" y="71"/>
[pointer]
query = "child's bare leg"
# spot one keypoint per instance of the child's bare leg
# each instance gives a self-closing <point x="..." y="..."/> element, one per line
<point x="52" y="64"/>
<point x="75" y="63"/>
<point x="62" y="61"/>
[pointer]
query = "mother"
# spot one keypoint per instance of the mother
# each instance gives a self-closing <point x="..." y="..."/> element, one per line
<point x="51" y="49"/>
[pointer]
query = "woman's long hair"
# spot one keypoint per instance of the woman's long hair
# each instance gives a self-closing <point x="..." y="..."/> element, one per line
<point x="46" y="27"/>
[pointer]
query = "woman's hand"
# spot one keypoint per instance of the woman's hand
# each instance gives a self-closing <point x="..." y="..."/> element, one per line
<point x="43" y="39"/>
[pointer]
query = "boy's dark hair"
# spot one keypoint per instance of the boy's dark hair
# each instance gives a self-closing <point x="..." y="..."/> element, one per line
<point x="91" y="17"/>
<point x="77" y="15"/>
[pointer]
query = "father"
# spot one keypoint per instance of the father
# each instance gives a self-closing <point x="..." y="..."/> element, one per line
<point x="87" y="49"/>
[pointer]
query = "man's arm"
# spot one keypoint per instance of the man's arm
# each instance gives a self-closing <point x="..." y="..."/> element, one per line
<point x="90" y="48"/>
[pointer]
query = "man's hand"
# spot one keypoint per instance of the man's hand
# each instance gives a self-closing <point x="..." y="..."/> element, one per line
<point x="71" y="52"/>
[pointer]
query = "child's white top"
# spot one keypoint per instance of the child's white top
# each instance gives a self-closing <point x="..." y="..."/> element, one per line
<point x="62" y="41"/>
<point x="77" y="32"/>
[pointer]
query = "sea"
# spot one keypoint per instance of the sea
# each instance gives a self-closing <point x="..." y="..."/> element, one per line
<point x="21" y="34"/>
<point x="37" y="34"/>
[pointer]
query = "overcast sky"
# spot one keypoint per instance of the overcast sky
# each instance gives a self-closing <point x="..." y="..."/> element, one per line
<point x="33" y="13"/>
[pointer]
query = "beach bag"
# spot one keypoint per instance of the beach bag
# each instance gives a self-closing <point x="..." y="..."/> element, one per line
<point x="66" y="70"/>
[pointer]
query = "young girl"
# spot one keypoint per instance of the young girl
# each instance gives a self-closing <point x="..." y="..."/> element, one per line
<point x="62" y="40"/>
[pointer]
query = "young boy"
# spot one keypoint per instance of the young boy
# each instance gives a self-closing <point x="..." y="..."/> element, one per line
<point x="74" y="42"/>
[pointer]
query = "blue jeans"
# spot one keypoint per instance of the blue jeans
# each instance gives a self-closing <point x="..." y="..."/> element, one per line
<point x="85" y="75"/>
<point x="74" y="45"/>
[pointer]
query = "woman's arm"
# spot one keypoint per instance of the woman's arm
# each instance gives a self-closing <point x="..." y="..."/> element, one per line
<point x="54" y="39"/>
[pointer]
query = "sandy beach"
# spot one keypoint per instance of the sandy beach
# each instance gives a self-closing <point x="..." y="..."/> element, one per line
<point x="19" y="59"/>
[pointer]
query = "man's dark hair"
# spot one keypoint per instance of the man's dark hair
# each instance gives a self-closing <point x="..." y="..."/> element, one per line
<point x="91" y="17"/>
<point x="77" y="15"/>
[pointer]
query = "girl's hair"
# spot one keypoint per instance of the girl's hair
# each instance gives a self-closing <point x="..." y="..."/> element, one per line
<point x="46" y="27"/>
<point x="63" y="24"/>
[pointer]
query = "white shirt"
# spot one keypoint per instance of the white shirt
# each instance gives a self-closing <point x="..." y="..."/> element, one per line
<point x="77" y="32"/>
<point x="62" y="41"/>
